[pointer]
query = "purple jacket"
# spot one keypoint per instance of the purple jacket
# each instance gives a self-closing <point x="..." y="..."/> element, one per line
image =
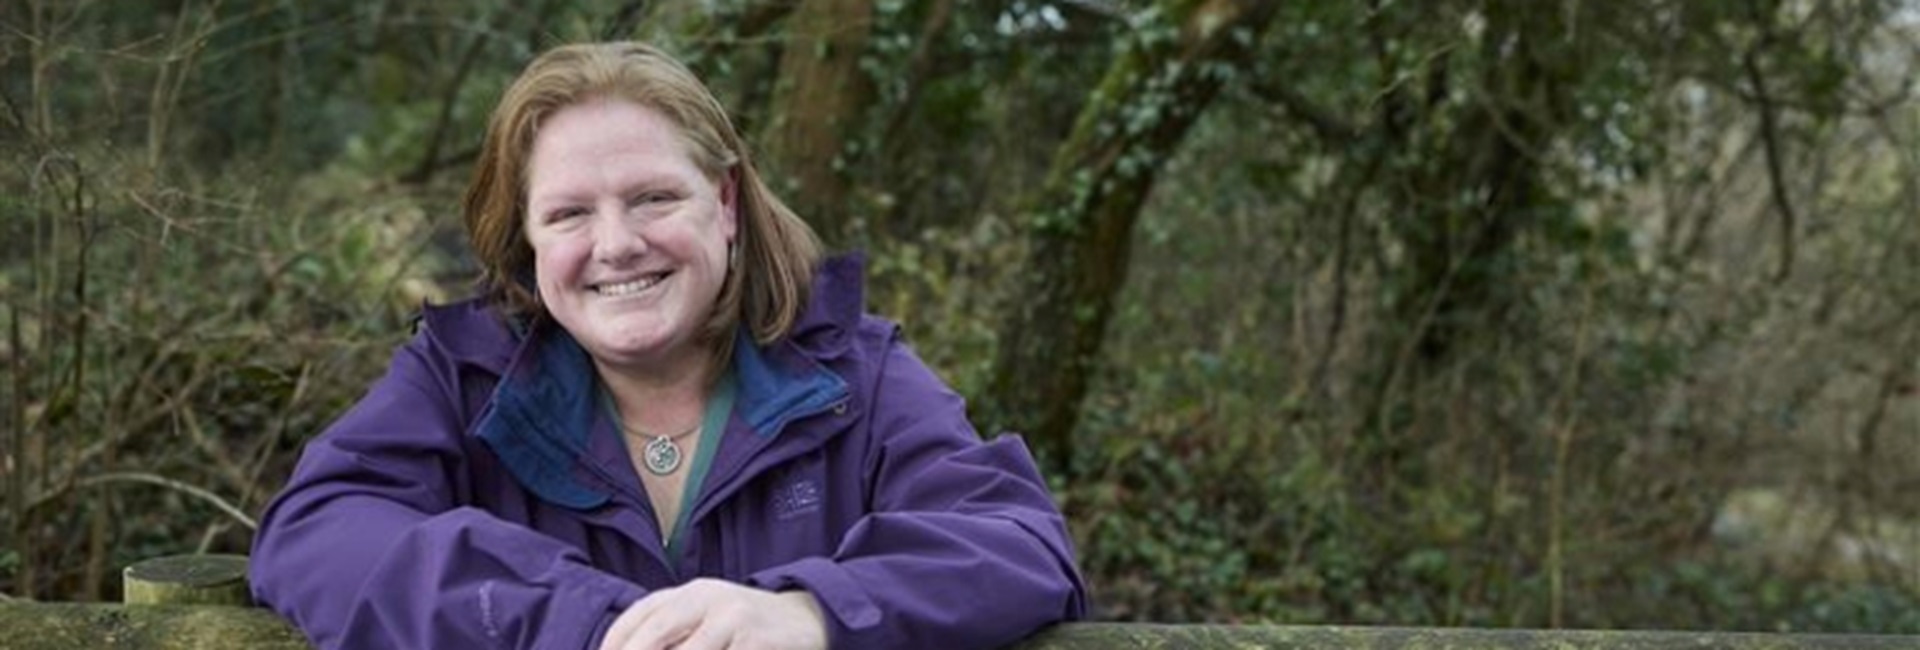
<point x="477" y="497"/>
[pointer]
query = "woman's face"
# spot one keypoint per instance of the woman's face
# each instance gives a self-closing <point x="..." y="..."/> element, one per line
<point x="629" y="236"/>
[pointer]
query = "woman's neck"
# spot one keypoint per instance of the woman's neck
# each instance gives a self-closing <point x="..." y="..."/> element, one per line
<point x="668" y="397"/>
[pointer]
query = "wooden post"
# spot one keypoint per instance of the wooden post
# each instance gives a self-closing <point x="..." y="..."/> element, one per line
<point x="188" y="580"/>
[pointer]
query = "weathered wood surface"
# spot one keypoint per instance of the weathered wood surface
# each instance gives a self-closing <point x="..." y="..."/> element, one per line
<point x="77" y="626"/>
<point x="70" y="626"/>
<point x="1137" y="636"/>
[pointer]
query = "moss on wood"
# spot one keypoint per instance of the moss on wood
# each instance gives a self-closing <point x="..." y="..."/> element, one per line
<point x="188" y="580"/>
<point x="73" y="626"/>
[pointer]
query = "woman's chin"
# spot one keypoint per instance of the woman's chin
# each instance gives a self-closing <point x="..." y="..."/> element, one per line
<point x="639" y="353"/>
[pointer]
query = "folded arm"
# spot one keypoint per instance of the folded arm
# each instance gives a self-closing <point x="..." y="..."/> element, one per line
<point x="371" y="545"/>
<point x="964" y="547"/>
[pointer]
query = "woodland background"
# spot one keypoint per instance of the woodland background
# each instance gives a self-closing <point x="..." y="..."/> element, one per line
<point x="1452" y="312"/>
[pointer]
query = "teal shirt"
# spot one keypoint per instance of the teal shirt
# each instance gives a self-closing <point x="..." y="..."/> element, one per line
<point x="713" y="427"/>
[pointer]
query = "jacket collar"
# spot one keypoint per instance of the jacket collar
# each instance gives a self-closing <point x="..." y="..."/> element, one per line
<point x="543" y="417"/>
<point x="786" y="379"/>
<point x="834" y="307"/>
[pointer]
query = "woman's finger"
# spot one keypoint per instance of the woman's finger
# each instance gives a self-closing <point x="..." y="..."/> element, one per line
<point x="707" y="637"/>
<point x="666" y="618"/>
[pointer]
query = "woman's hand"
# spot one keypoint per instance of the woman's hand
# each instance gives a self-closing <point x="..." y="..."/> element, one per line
<point x="708" y="614"/>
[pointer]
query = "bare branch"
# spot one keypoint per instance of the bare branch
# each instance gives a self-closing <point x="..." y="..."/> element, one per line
<point x="1776" y="175"/>
<point x="154" y="479"/>
<point x="430" y="159"/>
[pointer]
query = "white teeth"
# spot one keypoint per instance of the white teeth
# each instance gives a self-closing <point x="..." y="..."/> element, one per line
<point x="626" y="288"/>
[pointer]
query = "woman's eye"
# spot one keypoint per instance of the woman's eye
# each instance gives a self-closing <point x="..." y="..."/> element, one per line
<point x="649" y="198"/>
<point x="563" y="214"/>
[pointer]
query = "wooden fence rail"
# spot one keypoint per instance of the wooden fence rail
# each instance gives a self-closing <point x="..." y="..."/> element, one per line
<point x="154" y="618"/>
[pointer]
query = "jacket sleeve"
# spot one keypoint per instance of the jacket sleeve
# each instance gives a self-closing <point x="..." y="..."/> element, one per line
<point x="963" y="546"/>
<point x="371" y="546"/>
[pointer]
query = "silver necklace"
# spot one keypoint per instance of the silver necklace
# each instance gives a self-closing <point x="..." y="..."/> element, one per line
<point x="662" y="454"/>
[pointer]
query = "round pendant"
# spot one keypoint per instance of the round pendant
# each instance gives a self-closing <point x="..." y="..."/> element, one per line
<point x="661" y="456"/>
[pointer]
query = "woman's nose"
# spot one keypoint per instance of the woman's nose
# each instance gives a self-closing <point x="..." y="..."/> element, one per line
<point x="616" y="239"/>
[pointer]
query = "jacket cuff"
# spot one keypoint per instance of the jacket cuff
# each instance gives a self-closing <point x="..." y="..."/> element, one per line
<point x="851" y="611"/>
<point x="590" y="586"/>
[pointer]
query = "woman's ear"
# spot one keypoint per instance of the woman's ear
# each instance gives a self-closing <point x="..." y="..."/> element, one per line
<point x="730" y="203"/>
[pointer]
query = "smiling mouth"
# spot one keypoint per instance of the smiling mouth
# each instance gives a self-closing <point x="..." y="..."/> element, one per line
<point x="631" y="287"/>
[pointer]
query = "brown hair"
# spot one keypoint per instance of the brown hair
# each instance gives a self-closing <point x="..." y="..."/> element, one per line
<point x="767" y="288"/>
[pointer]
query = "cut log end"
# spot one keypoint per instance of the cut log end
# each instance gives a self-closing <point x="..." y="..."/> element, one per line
<point x="189" y="580"/>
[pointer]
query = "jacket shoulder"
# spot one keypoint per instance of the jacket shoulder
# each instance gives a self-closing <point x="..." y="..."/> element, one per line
<point x="836" y="320"/>
<point x="470" y="331"/>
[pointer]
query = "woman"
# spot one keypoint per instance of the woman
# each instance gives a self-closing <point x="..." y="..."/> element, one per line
<point x="667" y="424"/>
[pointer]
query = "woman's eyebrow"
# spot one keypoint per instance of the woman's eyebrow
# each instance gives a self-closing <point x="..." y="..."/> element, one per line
<point x="563" y="194"/>
<point x="550" y="199"/>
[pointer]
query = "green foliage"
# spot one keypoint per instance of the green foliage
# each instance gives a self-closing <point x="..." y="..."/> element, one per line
<point x="219" y="324"/>
<point x="1846" y="608"/>
<point x="186" y="309"/>
<point x="1438" y="498"/>
<point x="1738" y="597"/>
<point x="940" y="288"/>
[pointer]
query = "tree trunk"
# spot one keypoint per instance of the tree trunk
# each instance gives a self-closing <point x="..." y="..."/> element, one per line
<point x="1478" y="190"/>
<point x="820" y="97"/>
<point x="1081" y="226"/>
<point x="1464" y="210"/>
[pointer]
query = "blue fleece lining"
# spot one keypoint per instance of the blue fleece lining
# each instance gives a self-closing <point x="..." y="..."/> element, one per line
<point x="771" y="395"/>
<point x="544" y="409"/>
<point x="541" y="418"/>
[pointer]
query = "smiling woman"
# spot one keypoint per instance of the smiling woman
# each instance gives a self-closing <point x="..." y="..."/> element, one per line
<point x="630" y="240"/>
<point x="668" y="422"/>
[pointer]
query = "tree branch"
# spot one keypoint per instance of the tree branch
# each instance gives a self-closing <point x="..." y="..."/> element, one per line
<point x="1080" y="225"/>
<point x="624" y="21"/>
<point x="154" y="479"/>
<point x="761" y="17"/>
<point x="430" y="159"/>
<point x="1776" y="174"/>
<point x="919" y="66"/>
<point x="1323" y="122"/>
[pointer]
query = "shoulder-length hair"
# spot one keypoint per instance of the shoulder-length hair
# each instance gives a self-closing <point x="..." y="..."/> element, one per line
<point x="767" y="290"/>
